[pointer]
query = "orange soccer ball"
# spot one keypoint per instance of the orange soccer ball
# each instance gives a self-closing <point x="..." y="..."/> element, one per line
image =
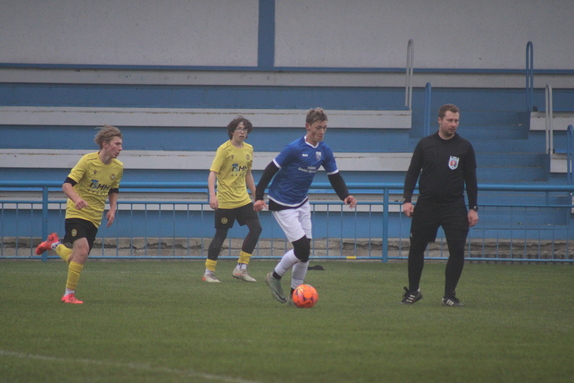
<point x="305" y="296"/>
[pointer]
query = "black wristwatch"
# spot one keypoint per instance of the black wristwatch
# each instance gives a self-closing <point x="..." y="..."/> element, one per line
<point x="475" y="208"/>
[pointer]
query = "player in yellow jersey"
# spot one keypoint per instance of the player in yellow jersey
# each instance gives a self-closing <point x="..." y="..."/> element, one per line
<point x="231" y="170"/>
<point x="94" y="179"/>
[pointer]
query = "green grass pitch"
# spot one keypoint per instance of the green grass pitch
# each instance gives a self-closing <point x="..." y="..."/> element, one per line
<point x="156" y="321"/>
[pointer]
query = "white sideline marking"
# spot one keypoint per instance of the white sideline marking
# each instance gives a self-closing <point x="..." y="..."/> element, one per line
<point x="141" y="367"/>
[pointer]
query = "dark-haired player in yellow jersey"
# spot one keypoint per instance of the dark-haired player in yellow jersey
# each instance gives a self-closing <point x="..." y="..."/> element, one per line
<point x="231" y="171"/>
<point x="94" y="179"/>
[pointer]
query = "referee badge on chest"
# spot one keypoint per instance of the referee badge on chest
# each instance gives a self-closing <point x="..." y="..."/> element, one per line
<point x="453" y="162"/>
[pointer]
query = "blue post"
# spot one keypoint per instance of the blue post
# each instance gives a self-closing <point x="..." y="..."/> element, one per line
<point x="426" y="116"/>
<point x="385" y="238"/>
<point x="44" y="219"/>
<point x="570" y="154"/>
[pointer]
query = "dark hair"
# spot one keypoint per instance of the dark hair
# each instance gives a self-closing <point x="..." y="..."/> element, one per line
<point x="447" y="108"/>
<point x="316" y="114"/>
<point x="235" y="122"/>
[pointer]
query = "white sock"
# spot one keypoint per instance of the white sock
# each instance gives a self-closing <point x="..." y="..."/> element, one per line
<point x="55" y="244"/>
<point x="241" y="266"/>
<point x="68" y="291"/>
<point x="298" y="274"/>
<point x="286" y="262"/>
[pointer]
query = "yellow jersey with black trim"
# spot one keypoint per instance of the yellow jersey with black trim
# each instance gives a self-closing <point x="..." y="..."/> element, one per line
<point x="94" y="180"/>
<point x="232" y="165"/>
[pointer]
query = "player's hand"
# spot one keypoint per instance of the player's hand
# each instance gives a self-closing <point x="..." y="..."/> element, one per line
<point x="110" y="216"/>
<point x="472" y="218"/>
<point x="259" y="205"/>
<point x="80" y="204"/>
<point x="408" y="209"/>
<point x="213" y="203"/>
<point x="351" y="201"/>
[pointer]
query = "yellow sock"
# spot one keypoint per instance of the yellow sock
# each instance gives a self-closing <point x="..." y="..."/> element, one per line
<point x="210" y="264"/>
<point x="74" y="271"/>
<point x="244" y="257"/>
<point x="64" y="252"/>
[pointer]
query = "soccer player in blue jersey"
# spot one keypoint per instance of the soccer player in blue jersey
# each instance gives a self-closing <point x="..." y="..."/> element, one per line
<point x="292" y="172"/>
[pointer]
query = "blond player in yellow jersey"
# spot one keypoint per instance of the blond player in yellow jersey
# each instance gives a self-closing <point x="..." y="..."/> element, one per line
<point x="94" y="179"/>
<point x="231" y="170"/>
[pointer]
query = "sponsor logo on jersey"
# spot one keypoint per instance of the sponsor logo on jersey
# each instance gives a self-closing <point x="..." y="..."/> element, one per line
<point x="96" y="185"/>
<point x="453" y="162"/>
<point x="237" y="168"/>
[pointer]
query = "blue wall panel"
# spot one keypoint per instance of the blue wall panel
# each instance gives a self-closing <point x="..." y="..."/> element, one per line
<point x="154" y="96"/>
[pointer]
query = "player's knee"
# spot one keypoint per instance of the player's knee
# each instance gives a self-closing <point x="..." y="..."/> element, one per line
<point x="217" y="240"/>
<point x="255" y="228"/>
<point x="302" y="249"/>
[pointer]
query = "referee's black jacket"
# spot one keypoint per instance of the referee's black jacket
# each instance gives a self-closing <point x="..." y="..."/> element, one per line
<point x="444" y="166"/>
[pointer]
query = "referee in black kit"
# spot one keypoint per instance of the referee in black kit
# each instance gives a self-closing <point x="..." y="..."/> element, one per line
<point x="445" y="162"/>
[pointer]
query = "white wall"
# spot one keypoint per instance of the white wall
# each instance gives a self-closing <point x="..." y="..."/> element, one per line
<point x="446" y="33"/>
<point x="315" y="33"/>
<point x="129" y="32"/>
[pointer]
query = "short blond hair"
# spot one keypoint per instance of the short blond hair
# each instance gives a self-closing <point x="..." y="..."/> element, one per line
<point x="105" y="134"/>
<point x="316" y="114"/>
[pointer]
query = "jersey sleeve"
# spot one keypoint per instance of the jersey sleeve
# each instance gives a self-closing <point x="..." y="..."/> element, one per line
<point x="78" y="171"/>
<point x="117" y="180"/>
<point x="287" y="155"/>
<point x="250" y="162"/>
<point x="471" y="179"/>
<point x="330" y="165"/>
<point x="218" y="160"/>
<point x="413" y="173"/>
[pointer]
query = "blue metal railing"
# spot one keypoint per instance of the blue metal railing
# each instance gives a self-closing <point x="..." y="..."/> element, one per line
<point x="529" y="75"/>
<point x="409" y="75"/>
<point x="507" y="231"/>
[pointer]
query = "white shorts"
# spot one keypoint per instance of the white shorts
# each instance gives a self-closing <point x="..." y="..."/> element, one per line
<point x="295" y="223"/>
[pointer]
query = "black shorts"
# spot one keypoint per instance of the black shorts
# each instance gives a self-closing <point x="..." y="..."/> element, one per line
<point x="428" y="217"/>
<point x="77" y="228"/>
<point x="225" y="218"/>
